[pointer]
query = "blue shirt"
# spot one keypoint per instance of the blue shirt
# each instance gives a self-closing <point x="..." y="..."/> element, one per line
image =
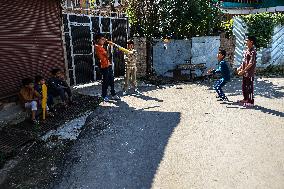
<point x="224" y="70"/>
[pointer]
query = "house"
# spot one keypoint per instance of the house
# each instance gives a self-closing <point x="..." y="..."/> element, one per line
<point x="240" y="7"/>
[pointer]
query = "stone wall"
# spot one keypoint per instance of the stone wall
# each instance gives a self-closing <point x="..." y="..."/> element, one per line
<point x="140" y="46"/>
<point x="228" y="44"/>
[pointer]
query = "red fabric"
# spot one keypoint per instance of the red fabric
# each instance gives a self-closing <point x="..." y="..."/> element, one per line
<point x="247" y="88"/>
<point x="102" y="55"/>
<point x="249" y="58"/>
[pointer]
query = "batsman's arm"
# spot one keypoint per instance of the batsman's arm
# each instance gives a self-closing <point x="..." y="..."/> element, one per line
<point x="120" y="48"/>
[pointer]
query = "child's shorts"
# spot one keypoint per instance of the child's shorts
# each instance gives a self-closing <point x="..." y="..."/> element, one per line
<point x="31" y="105"/>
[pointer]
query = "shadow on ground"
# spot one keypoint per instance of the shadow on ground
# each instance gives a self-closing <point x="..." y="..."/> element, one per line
<point x="256" y="107"/>
<point x="125" y="154"/>
<point x="262" y="87"/>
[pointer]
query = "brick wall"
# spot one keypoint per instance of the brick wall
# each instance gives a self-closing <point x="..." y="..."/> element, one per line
<point x="140" y="46"/>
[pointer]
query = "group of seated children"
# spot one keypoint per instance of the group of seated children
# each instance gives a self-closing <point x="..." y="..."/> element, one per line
<point x="31" y="93"/>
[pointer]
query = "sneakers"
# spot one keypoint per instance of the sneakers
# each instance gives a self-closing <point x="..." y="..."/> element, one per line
<point x="248" y="105"/>
<point x="225" y="98"/>
<point x="50" y="114"/>
<point x="35" y="122"/>
<point x="137" y="91"/>
<point x="242" y="101"/>
<point x="106" y="99"/>
<point x="115" y="97"/>
<point x="222" y="98"/>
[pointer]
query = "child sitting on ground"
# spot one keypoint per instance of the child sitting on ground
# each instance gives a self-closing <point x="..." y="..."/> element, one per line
<point x="58" y="87"/>
<point x="225" y="75"/>
<point x="29" y="97"/>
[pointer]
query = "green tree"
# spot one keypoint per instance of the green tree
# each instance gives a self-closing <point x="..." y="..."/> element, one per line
<point x="143" y="17"/>
<point x="178" y="18"/>
<point x="262" y="25"/>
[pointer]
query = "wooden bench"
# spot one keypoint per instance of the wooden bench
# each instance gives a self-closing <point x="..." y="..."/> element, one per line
<point x="191" y="68"/>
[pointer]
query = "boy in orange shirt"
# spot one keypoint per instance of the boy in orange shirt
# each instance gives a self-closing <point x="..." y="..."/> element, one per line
<point x="106" y="68"/>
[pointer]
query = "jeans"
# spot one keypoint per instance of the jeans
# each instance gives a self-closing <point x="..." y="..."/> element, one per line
<point x="31" y="105"/>
<point x="59" y="91"/>
<point x="218" y="87"/>
<point x="108" y="80"/>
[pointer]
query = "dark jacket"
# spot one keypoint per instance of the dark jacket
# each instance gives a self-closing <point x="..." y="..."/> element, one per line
<point x="224" y="70"/>
<point x="55" y="83"/>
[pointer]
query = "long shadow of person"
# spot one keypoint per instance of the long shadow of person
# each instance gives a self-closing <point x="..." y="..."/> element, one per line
<point x="256" y="107"/>
<point x="262" y="87"/>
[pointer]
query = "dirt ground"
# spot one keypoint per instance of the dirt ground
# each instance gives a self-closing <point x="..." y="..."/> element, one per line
<point x="177" y="136"/>
<point x="180" y="136"/>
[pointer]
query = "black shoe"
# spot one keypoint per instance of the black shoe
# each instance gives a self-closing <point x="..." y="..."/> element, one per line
<point x="35" y="122"/>
<point x="225" y="99"/>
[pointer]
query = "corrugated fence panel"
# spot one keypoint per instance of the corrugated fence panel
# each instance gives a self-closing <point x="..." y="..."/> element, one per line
<point x="30" y="41"/>
<point x="272" y="55"/>
<point x="239" y="30"/>
<point x="277" y="46"/>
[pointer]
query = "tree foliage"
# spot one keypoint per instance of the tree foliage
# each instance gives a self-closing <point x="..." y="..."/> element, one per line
<point x="176" y="18"/>
<point x="262" y="25"/>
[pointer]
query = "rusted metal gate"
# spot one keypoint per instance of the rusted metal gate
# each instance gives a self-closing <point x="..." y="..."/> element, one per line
<point x="30" y="41"/>
<point x="79" y="31"/>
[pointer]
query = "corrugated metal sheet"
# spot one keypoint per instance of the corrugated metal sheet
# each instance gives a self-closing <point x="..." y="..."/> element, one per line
<point x="30" y="41"/>
<point x="277" y="46"/>
<point x="239" y="30"/>
<point x="272" y="55"/>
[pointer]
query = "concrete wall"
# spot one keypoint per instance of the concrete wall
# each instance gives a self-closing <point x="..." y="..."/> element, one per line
<point x="277" y="46"/>
<point x="205" y="50"/>
<point x="165" y="60"/>
<point x="239" y="31"/>
<point x="198" y="50"/>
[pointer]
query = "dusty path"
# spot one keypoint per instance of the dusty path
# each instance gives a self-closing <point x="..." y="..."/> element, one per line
<point x="179" y="136"/>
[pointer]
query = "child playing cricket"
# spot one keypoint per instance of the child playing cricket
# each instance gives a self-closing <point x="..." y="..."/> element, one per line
<point x="225" y="75"/>
<point x="130" y="68"/>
